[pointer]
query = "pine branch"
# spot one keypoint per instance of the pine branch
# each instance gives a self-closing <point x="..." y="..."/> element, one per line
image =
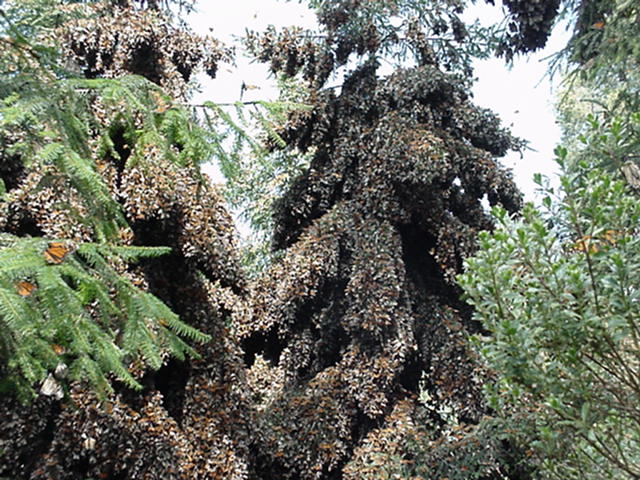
<point x="79" y="311"/>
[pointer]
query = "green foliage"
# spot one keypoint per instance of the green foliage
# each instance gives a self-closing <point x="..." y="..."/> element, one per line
<point x="83" y="314"/>
<point x="80" y="312"/>
<point x="43" y="117"/>
<point x="59" y="131"/>
<point x="603" y="55"/>
<point x="557" y="292"/>
<point x="53" y="116"/>
<point x="22" y="24"/>
<point x="247" y="145"/>
<point x="606" y="37"/>
<point x="255" y="175"/>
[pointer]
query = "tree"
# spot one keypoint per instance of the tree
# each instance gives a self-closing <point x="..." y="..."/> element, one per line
<point x="100" y="164"/>
<point x="601" y="65"/>
<point x="361" y="312"/>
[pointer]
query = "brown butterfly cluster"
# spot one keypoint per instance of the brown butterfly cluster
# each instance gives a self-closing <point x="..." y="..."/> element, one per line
<point x="362" y="313"/>
<point x="351" y="349"/>
<point x="138" y="35"/>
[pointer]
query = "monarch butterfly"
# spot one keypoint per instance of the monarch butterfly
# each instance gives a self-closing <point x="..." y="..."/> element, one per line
<point x="56" y="252"/>
<point x="25" y="288"/>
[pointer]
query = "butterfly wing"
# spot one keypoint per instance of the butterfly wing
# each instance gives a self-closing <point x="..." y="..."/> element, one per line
<point x="51" y="388"/>
<point x="56" y="252"/>
<point x="25" y="288"/>
<point x="631" y="173"/>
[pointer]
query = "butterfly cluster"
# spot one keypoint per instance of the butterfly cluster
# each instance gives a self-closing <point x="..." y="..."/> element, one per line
<point x="188" y="421"/>
<point x="120" y="39"/>
<point x="530" y="24"/>
<point x="362" y="312"/>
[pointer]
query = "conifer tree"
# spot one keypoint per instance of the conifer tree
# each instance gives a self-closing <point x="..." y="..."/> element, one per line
<point x="101" y="168"/>
<point x="357" y="346"/>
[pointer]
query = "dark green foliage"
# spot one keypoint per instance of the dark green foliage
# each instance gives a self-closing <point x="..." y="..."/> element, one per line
<point x="589" y="29"/>
<point x="256" y="170"/>
<point x="469" y="452"/>
<point x="556" y="289"/>
<point x="44" y="118"/>
<point x="606" y="50"/>
<point x="55" y="128"/>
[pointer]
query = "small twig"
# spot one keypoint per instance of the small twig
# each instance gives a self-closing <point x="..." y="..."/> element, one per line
<point x="202" y="105"/>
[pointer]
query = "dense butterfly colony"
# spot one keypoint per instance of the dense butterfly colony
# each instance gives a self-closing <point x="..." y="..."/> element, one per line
<point x="362" y="311"/>
<point x="529" y="26"/>
<point x="348" y="358"/>
<point x="188" y="421"/>
<point x="125" y="40"/>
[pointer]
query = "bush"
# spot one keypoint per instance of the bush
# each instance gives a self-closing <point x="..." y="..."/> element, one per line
<point x="556" y="291"/>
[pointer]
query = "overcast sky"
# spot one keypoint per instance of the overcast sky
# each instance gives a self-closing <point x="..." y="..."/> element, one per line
<point x="522" y="96"/>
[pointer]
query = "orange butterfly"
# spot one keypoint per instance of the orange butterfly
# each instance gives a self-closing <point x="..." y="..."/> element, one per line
<point x="163" y="106"/>
<point x="25" y="288"/>
<point x="56" y="252"/>
<point x="598" y="25"/>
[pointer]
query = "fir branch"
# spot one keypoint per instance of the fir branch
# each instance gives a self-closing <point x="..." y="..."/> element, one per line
<point x="83" y="313"/>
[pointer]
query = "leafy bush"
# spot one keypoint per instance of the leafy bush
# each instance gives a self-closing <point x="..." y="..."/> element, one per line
<point x="557" y="292"/>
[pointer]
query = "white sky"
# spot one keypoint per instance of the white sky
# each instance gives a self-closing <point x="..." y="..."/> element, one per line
<point x="522" y="96"/>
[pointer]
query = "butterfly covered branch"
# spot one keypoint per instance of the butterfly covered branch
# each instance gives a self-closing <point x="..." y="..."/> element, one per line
<point x="64" y="307"/>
